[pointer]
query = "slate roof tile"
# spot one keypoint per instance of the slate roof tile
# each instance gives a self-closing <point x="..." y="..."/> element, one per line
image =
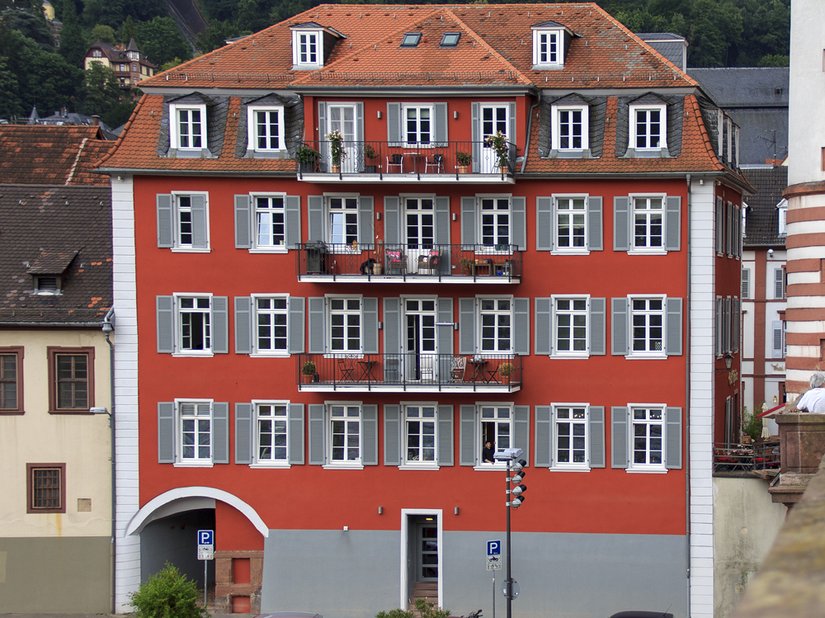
<point x="762" y="219"/>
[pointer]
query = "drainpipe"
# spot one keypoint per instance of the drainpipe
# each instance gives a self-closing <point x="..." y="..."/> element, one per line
<point x="108" y="327"/>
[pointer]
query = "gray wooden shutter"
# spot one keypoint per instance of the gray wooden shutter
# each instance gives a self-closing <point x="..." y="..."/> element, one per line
<point x="392" y="326"/>
<point x="243" y="222"/>
<point x="521" y="430"/>
<point x="476" y="136"/>
<point x="293" y="221"/>
<point x="737" y="323"/>
<point x="167" y="436"/>
<point x="295" y="428"/>
<point x="720" y="226"/>
<point x="544" y="436"/>
<point x="295" y="334"/>
<point x="220" y="324"/>
<point x="595" y="426"/>
<point x="468" y="446"/>
<point x="776" y="339"/>
<point x="544" y="321"/>
<point x="322" y="121"/>
<point x="369" y="329"/>
<point x="317" y="434"/>
<point x="445" y="436"/>
<point x="445" y="336"/>
<point x="466" y="325"/>
<point x="673" y="345"/>
<point x="511" y="122"/>
<point x="165" y="225"/>
<point x="442" y="233"/>
<point x="200" y="223"/>
<point x="392" y="435"/>
<point x="621" y="223"/>
<point x="518" y="207"/>
<point x="673" y="438"/>
<point x="598" y="341"/>
<point x="673" y="223"/>
<point x="165" y="317"/>
<point x="369" y="434"/>
<point x="220" y="432"/>
<point x="315" y="218"/>
<point x="394" y="124"/>
<point x="392" y="220"/>
<point x="317" y="326"/>
<point x="366" y="225"/>
<point x="243" y="325"/>
<point x="595" y="240"/>
<point x="468" y="223"/>
<point x="521" y="336"/>
<point x="359" y="128"/>
<point x="619" y="326"/>
<point x="618" y="437"/>
<point x="746" y="283"/>
<point x="244" y="436"/>
<point x="440" y="125"/>
<point x="544" y="224"/>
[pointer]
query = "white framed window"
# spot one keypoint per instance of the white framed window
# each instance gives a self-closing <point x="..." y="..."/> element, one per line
<point x="495" y="223"/>
<point x="344" y="324"/>
<point x="271" y="325"/>
<point x="648" y="212"/>
<point x="183" y="221"/>
<point x="570" y="127"/>
<point x="420" y="434"/>
<point x="307" y="48"/>
<point x="342" y="222"/>
<point x="495" y="320"/>
<point x="571" y="318"/>
<point x="746" y="283"/>
<point x="344" y="434"/>
<point x="194" y="324"/>
<point x="548" y="48"/>
<point x="570" y="437"/>
<point x="648" y="127"/>
<point x="418" y="124"/>
<point x="782" y="213"/>
<point x="570" y="224"/>
<point x="496" y="424"/>
<point x="266" y="128"/>
<point x="194" y="431"/>
<point x="269" y="221"/>
<point x="184" y="232"/>
<point x="271" y="432"/>
<point x="188" y="127"/>
<point x="647" y="443"/>
<point x="647" y="325"/>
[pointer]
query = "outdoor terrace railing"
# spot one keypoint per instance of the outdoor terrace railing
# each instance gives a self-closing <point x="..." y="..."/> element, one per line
<point x="761" y="458"/>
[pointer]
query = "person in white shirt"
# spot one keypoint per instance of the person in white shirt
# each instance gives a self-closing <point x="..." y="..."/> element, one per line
<point x="814" y="399"/>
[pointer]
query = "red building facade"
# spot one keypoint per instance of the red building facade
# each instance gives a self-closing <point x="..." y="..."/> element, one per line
<point x="337" y="282"/>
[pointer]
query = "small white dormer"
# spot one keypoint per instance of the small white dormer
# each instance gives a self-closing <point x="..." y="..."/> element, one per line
<point x="550" y="42"/>
<point x="311" y="45"/>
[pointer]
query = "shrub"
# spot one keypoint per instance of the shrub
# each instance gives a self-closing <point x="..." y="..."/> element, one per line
<point x="426" y="609"/>
<point x="168" y="594"/>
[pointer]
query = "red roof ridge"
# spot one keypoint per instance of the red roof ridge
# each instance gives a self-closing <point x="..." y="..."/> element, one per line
<point x="76" y="161"/>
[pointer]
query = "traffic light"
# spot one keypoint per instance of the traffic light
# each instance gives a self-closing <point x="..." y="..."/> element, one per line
<point x="517" y="488"/>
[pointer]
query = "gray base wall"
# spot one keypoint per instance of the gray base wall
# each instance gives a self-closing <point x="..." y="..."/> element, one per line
<point x="55" y="575"/>
<point x="356" y="574"/>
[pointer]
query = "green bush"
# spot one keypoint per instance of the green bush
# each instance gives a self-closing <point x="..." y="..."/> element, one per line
<point x="426" y="609"/>
<point x="168" y="594"/>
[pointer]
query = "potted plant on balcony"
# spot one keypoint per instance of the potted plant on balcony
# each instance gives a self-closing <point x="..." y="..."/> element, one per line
<point x="505" y="370"/>
<point x="464" y="160"/>
<point x="501" y="148"/>
<point x="307" y="158"/>
<point x="310" y="371"/>
<point x="336" y="150"/>
<point x="370" y="157"/>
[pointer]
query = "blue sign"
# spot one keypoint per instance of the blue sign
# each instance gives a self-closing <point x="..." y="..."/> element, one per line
<point x="206" y="537"/>
<point x="493" y="548"/>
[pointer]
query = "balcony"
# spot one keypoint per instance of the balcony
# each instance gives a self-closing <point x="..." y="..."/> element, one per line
<point x="390" y="263"/>
<point x="375" y="162"/>
<point x="410" y="372"/>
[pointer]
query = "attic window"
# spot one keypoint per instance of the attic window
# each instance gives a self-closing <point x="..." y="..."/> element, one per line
<point x="307" y="48"/>
<point x="411" y="39"/>
<point x="47" y="285"/>
<point x="549" y="41"/>
<point x="450" y="39"/>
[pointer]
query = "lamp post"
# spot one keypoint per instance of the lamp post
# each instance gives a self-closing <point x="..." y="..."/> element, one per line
<point x="512" y="457"/>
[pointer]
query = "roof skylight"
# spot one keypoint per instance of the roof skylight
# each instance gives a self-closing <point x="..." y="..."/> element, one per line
<point x="411" y="39"/>
<point x="450" y="39"/>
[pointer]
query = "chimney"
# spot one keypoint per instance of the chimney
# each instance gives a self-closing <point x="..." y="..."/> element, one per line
<point x="95" y="120"/>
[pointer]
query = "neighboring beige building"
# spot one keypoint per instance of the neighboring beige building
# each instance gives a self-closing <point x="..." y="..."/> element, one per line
<point x="130" y="66"/>
<point x="55" y="294"/>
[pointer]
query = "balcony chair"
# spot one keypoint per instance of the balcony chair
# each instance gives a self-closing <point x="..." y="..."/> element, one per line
<point x="428" y="263"/>
<point x="457" y="367"/>
<point x="395" y="264"/>
<point x="435" y="162"/>
<point x="346" y="370"/>
<point x="395" y="161"/>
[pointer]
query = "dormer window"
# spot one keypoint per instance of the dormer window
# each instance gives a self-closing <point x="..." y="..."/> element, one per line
<point x="549" y="42"/>
<point x="188" y="127"/>
<point x="648" y="127"/>
<point x="47" y="285"/>
<point x="307" y="48"/>
<point x="782" y="211"/>
<point x="266" y="128"/>
<point x="570" y="128"/>
<point x="47" y="271"/>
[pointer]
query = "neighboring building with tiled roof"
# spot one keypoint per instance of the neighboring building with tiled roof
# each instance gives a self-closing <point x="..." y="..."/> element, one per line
<point x="358" y="245"/>
<point x="129" y="65"/>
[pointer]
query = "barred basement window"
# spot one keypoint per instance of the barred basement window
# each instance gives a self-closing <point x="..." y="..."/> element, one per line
<point x="46" y="488"/>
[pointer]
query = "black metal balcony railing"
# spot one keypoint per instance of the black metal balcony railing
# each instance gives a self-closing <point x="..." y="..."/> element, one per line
<point x="408" y="261"/>
<point x="439" y="371"/>
<point x="431" y="158"/>
<point x="759" y="458"/>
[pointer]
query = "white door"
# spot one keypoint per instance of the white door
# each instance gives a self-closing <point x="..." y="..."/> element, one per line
<point x="342" y="119"/>
<point x="492" y="118"/>
<point x="419" y="228"/>
<point x="420" y="343"/>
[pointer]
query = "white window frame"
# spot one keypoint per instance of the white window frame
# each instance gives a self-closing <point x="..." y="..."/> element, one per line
<point x="557" y="125"/>
<point x="558" y="211"/>
<point x="559" y="466"/>
<point x="177" y="244"/>
<point x="180" y="459"/>
<point x="648" y="213"/>
<point x="407" y="461"/>
<point x="545" y="38"/>
<point x="303" y="59"/>
<point x="745" y="292"/>
<point x="430" y="143"/>
<point x="252" y="128"/>
<point x="330" y="419"/>
<point x="345" y="312"/>
<point x="179" y="327"/>
<point x="496" y="202"/>
<point x="648" y="423"/>
<point x="635" y="110"/>
<point x="497" y="407"/>
<point x="497" y="313"/>
<point x="345" y="210"/>
<point x="631" y="313"/>
<point x="555" y="299"/>
<point x="272" y="462"/>
<point x="782" y="213"/>
<point x="256" y="312"/>
<point x="257" y="246"/>
<point x="176" y="138"/>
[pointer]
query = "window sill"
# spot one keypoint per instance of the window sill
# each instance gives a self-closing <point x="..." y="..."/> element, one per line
<point x="79" y="411"/>
<point x="579" y="153"/>
<point x="190" y="250"/>
<point x="490" y="467"/>
<point x="423" y="466"/>
<point x="570" y="468"/>
<point x="647" y="153"/>
<point x="20" y="412"/>
<point x="279" y="249"/>
<point x="646" y="471"/>
<point x="570" y="356"/>
<point x="647" y="251"/>
<point x="275" y="465"/>
<point x="270" y="355"/>
<point x="344" y="355"/>
<point x="343" y="466"/>
<point x="656" y="356"/>
<point x="193" y="354"/>
<point x="193" y="464"/>
<point x="570" y="252"/>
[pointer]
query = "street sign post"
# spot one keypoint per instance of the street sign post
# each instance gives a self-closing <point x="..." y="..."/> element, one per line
<point x="494" y="564"/>
<point x="206" y="552"/>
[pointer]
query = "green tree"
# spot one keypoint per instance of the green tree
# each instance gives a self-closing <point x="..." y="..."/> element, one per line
<point x="72" y="42"/>
<point x="102" y="90"/>
<point x="161" y="40"/>
<point x="102" y="32"/>
<point x="11" y="104"/>
<point x="215" y="35"/>
<point x="128" y="30"/>
<point x="773" y="60"/>
<point x="30" y="24"/>
<point x="168" y="594"/>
